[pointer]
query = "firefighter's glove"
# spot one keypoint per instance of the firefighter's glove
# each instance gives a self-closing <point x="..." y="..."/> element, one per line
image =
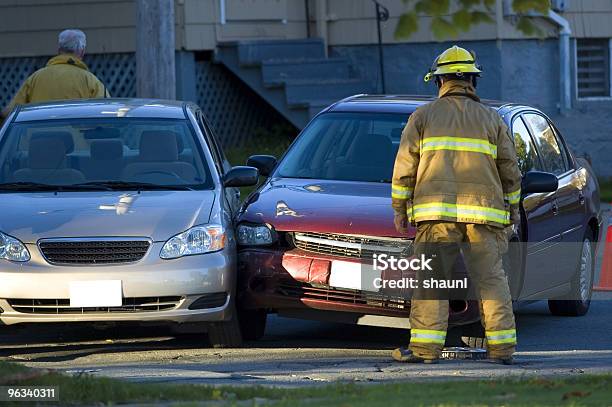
<point x="515" y="216"/>
<point x="401" y="222"/>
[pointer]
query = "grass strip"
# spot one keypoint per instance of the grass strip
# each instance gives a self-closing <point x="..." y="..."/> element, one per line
<point x="606" y="190"/>
<point x="583" y="390"/>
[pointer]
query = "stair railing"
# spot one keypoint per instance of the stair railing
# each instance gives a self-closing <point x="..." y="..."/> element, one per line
<point x="307" y="10"/>
<point x="382" y="15"/>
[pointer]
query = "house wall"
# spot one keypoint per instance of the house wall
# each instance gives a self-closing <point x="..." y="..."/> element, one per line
<point x="590" y="18"/>
<point x="519" y="71"/>
<point x="30" y="27"/>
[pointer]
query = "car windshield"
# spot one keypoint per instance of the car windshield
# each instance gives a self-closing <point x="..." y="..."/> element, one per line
<point x="347" y="147"/>
<point x="108" y="153"/>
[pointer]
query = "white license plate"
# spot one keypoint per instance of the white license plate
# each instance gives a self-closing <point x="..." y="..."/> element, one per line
<point x="345" y="274"/>
<point x="102" y="293"/>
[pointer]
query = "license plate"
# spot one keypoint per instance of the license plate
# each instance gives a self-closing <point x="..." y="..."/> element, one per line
<point x="346" y="274"/>
<point x="106" y="293"/>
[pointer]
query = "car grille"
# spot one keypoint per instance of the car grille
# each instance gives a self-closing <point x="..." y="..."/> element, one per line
<point x="334" y="295"/>
<point x="62" y="306"/>
<point x="351" y="245"/>
<point x="93" y="251"/>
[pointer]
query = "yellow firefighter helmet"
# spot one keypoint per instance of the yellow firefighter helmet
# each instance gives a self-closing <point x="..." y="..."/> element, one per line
<point x="454" y="61"/>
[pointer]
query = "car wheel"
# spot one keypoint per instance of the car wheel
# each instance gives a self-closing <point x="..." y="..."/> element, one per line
<point x="252" y="323"/>
<point x="225" y="334"/>
<point x="581" y="286"/>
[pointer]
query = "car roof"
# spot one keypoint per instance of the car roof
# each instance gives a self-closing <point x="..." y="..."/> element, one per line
<point x="393" y="103"/>
<point x="101" y="108"/>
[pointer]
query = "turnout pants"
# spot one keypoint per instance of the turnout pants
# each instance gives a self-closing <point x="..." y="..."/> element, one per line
<point x="483" y="247"/>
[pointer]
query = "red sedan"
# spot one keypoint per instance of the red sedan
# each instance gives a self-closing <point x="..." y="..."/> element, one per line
<point x="326" y="208"/>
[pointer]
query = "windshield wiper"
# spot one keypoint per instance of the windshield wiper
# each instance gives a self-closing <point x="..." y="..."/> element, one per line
<point x="119" y="185"/>
<point x="38" y="186"/>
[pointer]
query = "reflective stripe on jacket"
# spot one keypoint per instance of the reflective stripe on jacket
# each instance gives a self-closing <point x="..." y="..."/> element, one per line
<point x="456" y="162"/>
<point x="64" y="77"/>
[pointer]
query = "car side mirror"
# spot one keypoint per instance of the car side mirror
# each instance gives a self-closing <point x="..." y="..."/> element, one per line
<point x="264" y="163"/>
<point x="241" y="177"/>
<point x="536" y="182"/>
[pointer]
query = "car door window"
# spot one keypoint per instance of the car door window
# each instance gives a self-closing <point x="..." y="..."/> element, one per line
<point x="214" y="150"/>
<point x="528" y="159"/>
<point x="567" y="158"/>
<point x="217" y="146"/>
<point x="546" y="141"/>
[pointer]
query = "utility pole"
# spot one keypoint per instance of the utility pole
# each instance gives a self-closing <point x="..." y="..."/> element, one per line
<point x="155" y="65"/>
<point x="322" y="27"/>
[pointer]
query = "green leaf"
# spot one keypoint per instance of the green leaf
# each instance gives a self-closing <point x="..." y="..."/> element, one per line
<point x="520" y="6"/>
<point x="462" y="19"/>
<point x="407" y="25"/>
<point x="526" y="6"/>
<point x="442" y="29"/>
<point x="478" y="17"/>
<point x="432" y="8"/>
<point x="439" y="7"/>
<point x="527" y="27"/>
<point x="468" y="4"/>
<point x="489" y="3"/>
<point x="465" y="17"/>
<point x="422" y="7"/>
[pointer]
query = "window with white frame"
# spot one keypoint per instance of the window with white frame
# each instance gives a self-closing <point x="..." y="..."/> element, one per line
<point x="593" y="67"/>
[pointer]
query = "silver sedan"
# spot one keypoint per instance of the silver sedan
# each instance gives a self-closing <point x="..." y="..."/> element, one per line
<point x="118" y="210"/>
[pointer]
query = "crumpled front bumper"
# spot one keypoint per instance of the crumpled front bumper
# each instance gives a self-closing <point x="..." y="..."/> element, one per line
<point x="278" y="279"/>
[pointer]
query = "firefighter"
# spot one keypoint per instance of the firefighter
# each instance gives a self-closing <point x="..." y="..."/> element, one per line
<point x="64" y="77"/>
<point x="457" y="179"/>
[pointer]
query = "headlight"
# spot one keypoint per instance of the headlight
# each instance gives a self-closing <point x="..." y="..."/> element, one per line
<point x="197" y="240"/>
<point x="255" y="235"/>
<point x="12" y="249"/>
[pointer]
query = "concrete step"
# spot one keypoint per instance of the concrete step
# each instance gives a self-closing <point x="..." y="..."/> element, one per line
<point x="301" y="93"/>
<point x="278" y="71"/>
<point x="294" y="76"/>
<point x="251" y="76"/>
<point x="255" y="52"/>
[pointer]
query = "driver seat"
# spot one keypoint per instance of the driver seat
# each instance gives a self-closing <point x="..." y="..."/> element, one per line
<point x="47" y="162"/>
<point x="159" y="156"/>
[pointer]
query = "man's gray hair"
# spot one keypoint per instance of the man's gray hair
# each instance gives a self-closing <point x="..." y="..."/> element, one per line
<point x="72" y="41"/>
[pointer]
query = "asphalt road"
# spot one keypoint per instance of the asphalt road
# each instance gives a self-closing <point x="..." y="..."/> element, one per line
<point x="295" y="352"/>
<point x="302" y="352"/>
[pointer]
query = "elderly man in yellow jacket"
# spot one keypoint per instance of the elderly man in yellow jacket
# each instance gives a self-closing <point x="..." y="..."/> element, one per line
<point x="456" y="177"/>
<point x="64" y="77"/>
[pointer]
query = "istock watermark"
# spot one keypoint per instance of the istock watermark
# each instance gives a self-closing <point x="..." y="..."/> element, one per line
<point x="385" y="261"/>
<point x="393" y="269"/>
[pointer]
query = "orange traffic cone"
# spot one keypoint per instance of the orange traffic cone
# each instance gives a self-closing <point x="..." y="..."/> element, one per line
<point x="605" y="278"/>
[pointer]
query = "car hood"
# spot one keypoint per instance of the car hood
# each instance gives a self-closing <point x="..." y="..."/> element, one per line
<point x="344" y="207"/>
<point x="153" y="214"/>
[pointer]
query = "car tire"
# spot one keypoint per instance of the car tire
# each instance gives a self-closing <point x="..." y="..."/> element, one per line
<point x="581" y="285"/>
<point x="252" y="323"/>
<point x="225" y="334"/>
